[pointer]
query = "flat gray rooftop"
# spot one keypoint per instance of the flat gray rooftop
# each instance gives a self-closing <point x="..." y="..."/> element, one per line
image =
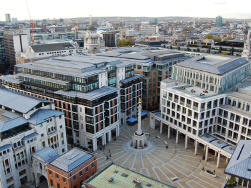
<point x="214" y="64"/>
<point x="18" y="102"/>
<point x="92" y="95"/>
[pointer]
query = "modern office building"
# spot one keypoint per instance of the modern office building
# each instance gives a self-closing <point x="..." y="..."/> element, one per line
<point x="147" y="29"/>
<point x="155" y="64"/>
<point x="27" y="124"/>
<point x="219" y="21"/>
<point x="7" y="18"/>
<point x="15" y="42"/>
<point x="90" y="90"/>
<point x="208" y="100"/>
<point x="2" y="54"/>
<point x="110" y="39"/>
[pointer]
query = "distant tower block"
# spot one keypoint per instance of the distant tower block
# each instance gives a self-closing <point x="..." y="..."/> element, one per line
<point x="90" y="20"/>
<point x="139" y="138"/>
<point x="246" y="53"/>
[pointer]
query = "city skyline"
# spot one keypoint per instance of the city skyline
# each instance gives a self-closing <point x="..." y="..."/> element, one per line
<point x="62" y="9"/>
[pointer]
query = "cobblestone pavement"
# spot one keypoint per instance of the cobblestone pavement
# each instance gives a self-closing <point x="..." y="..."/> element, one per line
<point x="160" y="163"/>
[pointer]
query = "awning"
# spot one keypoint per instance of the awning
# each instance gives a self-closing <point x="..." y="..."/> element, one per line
<point x="143" y="114"/>
<point x="131" y="120"/>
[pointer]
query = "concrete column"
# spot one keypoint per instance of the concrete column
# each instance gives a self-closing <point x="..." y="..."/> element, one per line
<point x="206" y="156"/>
<point x="169" y="132"/>
<point x="247" y="184"/>
<point x="104" y="139"/>
<point x="186" y="139"/>
<point x="152" y="122"/>
<point x="117" y="130"/>
<point x="109" y="136"/>
<point x="242" y="182"/>
<point x="218" y="160"/>
<point x="227" y="160"/>
<point x="196" y="147"/>
<point x="161" y="127"/>
<point x="177" y="137"/>
<point x="94" y="144"/>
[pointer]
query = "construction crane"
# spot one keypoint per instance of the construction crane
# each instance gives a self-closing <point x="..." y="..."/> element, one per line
<point x="31" y="21"/>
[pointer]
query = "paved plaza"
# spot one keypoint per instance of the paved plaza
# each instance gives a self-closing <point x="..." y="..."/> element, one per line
<point x="161" y="163"/>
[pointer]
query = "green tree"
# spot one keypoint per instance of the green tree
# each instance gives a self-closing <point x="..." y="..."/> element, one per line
<point x="125" y="42"/>
<point x="217" y="39"/>
<point x="229" y="38"/>
<point x="209" y="36"/>
<point x="223" y="53"/>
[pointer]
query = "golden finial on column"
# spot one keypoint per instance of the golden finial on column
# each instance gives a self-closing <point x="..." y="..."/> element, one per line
<point x="139" y="100"/>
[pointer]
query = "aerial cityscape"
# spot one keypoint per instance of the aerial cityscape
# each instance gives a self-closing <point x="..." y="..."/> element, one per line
<point x="125" y="94"/>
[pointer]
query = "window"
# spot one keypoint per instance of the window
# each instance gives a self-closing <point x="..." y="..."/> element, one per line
<point x="86" y="170"/>
<point x="58" y="185"/>
<point x="80" y="173"/>
<point x="74" y="177"/>
<point x="51" y="181"/>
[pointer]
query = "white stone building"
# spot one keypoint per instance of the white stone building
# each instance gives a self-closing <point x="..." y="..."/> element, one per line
<point x="208" y="101"/>
<point x="27" y="124"/>
<point x="41" y="51"/>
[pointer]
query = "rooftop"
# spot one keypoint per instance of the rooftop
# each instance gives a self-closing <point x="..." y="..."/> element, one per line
<point x="52" y="47"/>
<point x="42" y="115"/>
<point x="122" y="177"/>
<point x="239" y="164"/>
<point x="46" y="154"/>
<point x="218" y="143"/>
<point x="18" y="102"/>
<point x="71" y="160"/>
<point x="214" y="64"/>
<point x="92" y="95"/>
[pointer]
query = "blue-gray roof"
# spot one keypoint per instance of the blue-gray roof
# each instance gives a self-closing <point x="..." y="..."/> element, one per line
<point x="214" y="64"/>
<point x="46" y="154"/>
<point x="219" y="143"/>
<point x="239" y="164"/>
<point x="18" y="102"/>
<point x="229" y="149"/>
<point x="30" y="136"/>
<point x="208" y="137"/>
<point x="42" y="115"/>
<point x="4" y="147"/>
<point x="136" y="76"/>
<point x="7" y="125"/>
<point x="71" y="160"/>
<point x="92" y="95"/>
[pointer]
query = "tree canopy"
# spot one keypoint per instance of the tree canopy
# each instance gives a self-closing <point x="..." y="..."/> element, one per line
<point x="125" y="42"/>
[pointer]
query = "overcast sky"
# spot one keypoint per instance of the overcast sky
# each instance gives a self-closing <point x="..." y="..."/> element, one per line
<point x="42" y="9"/>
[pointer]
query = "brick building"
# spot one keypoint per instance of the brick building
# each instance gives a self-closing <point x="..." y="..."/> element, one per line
<point x="71" y="169"/>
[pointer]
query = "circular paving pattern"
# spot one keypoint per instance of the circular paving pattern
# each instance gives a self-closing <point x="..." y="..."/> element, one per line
<point x="146" y="150"/>
<point x="160" y="163"/>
